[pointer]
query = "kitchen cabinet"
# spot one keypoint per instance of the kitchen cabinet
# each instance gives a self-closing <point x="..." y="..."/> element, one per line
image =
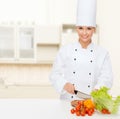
<point x="26" y="42"/>
<point x="7" y="42"/>
<point x="47" y="43"/>
<point x="43" y="108"/>
<point x="46" y="53"/>
<point x="16" y="43"/>
<point x="29" y="43"/>
<point x="49" y="34"/>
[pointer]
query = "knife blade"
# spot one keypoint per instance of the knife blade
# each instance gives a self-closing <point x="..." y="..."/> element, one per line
<point x="82" y="95"/>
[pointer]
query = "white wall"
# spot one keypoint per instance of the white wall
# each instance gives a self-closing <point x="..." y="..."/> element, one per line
<point x="24" y="10"/>
<point x="109" y="23"/>
<point x="39" y="11"/>
<point x="62" y="11"/>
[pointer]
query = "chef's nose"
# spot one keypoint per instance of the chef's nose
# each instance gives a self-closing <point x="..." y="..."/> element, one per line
<point x="84" y="31"/>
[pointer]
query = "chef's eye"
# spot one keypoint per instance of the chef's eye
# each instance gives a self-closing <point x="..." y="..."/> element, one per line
<point x="80" y="27"/>
<point x="89" y="28"/>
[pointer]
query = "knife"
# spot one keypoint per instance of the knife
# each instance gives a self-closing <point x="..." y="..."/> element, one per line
<point x="82" y="95"/>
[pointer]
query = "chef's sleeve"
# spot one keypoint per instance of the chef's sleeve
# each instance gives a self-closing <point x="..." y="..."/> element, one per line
<point x="57" y="73"/>
<point x="105" y="78"/>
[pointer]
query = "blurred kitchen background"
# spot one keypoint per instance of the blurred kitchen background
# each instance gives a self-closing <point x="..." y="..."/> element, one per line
<point x="31" y="33"/>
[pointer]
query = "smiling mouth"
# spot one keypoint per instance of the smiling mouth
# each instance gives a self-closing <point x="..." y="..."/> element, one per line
<point x="85" y="37"/>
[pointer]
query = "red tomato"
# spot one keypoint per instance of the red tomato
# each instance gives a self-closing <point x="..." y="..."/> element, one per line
<point x="72" y="111"/>
<point x="108" y="112"/>
<point x="82" y="102"/>
<point x="92" y="110"/>
<point x="105" y="111"/>
<point x="86" y="110"/>
<point x="79" y="102"/>
<point x="83" y="112"/>
<point x="78" y="107"/>
<point x="90" y="113"/>
<point x="77" y="113"/>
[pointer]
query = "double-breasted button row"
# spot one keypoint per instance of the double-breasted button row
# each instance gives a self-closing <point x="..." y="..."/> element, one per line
<point x="75" y="57"/>
<point x="89" y="85"/>
<point x="90" y="50"/>
<point x="91" y="61"/>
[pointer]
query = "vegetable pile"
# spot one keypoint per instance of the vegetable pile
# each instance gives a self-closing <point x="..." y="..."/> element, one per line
<point x="104" y="102"/>
<point x="83" y="107"/>
<point x="100" y="100"/>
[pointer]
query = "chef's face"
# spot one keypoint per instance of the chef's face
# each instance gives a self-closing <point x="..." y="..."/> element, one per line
<point x="85" y="33"/>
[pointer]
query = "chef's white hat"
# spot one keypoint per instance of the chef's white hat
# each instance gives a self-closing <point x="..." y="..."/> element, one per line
<point x="86" y="13"/>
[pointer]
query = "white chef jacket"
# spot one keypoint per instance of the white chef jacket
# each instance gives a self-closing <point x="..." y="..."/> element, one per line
<point x="87" y="69"/>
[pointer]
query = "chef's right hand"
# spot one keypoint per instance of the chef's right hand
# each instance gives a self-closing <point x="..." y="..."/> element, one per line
<point x="69" y="88"/>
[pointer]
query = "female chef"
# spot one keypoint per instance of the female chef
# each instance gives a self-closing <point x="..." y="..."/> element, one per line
<point x="82" y="65"/>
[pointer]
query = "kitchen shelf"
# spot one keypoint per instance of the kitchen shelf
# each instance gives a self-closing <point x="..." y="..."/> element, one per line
<point x="48" y="44"/>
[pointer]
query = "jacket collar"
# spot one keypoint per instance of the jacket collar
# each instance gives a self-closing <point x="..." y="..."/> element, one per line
<point x="90" y="46"/>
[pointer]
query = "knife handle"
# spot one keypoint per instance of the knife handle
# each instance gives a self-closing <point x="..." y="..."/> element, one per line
<point x="75" y="91"/>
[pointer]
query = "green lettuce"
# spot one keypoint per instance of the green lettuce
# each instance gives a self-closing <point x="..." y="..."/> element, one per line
<point x="103" y="100"/>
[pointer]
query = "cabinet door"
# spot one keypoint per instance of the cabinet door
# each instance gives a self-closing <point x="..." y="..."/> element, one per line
<point x="26" y="42"/>
<point x="48" y="34"/>
<point x="7" y="35"/>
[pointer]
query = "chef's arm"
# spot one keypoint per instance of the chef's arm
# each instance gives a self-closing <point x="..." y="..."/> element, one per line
<point x="105" y="77"/>
<point x="57" y="73"/>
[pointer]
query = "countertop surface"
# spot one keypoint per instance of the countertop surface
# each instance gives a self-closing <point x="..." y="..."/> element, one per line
<point x="42" y="109"/>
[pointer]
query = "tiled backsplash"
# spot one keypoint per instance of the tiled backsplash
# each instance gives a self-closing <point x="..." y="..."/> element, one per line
<point x="24" y="74"/>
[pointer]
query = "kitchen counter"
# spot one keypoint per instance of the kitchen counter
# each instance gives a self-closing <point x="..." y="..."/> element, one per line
<point x="42" y="109"/>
